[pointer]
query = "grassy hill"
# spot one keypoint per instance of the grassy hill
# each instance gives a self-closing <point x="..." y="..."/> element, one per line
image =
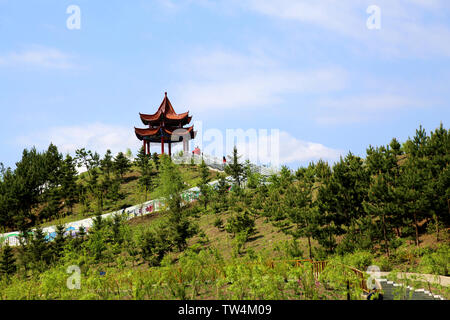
<point x="131" y="194"/>
<point x="238" y="251"/>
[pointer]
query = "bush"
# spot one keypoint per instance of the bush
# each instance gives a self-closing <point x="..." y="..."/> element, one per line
<point x="359" y="260"/>
<point x="290" y="249"/>
<point x="241" y="222"/>
<point x="383" y="263"/>
<point x="218" y="223"/>
<point x="436" y="262"/>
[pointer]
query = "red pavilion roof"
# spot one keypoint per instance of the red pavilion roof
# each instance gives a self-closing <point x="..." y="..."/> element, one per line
<point x="167" y="114"/>
<point x="154" y="134"/>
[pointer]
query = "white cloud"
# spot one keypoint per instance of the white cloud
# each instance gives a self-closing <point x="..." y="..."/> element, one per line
<point x="228" y="80"/>
<point x="293" y="149"/>
<point x="290" y="150"/>
<point x="406" y="28"/>
<point x="101" y="137"/>
<point x="362" y="108"/>
<point x="38" y="56"/>
<point x="96" y="137"/>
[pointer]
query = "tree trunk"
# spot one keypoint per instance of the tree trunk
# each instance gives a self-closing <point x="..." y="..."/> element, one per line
<point x="437" y="227"/>
<point x="309" y="246"/>
<point x="417" y="229"/>
<point x="397" y="231"/>
<point x="386" y="242"/>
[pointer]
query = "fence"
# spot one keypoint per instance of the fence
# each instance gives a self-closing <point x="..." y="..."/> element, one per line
<point x="217" y="163"/>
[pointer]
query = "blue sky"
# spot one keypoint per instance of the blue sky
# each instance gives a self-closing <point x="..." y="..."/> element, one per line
<point x="311" y="69"/>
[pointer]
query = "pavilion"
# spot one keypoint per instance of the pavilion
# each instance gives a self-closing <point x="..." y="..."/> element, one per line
<point x="165" y="126"/>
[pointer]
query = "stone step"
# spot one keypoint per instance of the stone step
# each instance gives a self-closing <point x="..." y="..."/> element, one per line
<point x="393" y="290"/>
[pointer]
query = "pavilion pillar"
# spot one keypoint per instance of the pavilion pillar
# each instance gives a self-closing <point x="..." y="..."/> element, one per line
<point x="144" y="145"/>
<point x="162" y="145"/>
<point x="148" y="147"/>
<point x="170" y="149"/>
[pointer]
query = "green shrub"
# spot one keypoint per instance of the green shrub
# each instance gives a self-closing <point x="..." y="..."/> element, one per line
<point x="436" y="262"/>
<point x="218" y="223"/>
<point x="359" y="260"/>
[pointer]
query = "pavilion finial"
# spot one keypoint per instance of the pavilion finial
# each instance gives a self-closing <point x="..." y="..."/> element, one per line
<point x="165" y="93"/>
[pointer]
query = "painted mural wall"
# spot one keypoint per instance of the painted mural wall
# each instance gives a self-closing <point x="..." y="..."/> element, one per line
<point x="72" y="228"/>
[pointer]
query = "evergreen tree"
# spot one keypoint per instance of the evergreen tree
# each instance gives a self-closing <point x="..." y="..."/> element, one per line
<point x="12" y="214"/>
<point x="413" y="190"/>
<point x="129" y="154"/>
<point x="241" y="223"/>
<point x="116" y="229"/>
<point x="302" y="211"/>
<point x="154" y="245"/>
<point x="87" y="159"/>
<point x="54" y="205"/>
<point x="59" y="241"/>
<point x="80" y="237"/>
<point x="107" y="164"/>
<point x="205" y="188"/>
<point x="96" y="189"/>
<point x="341" y="200"/>
<point x="146" y="179"/>
<point x="170" y="187"/>
<point x="30" y="180"/>
<point x="155" y="159"/>
<point x="39" y="250"/>
<point x="234" y="168"/>
<point x="438" y="186"/>
<point x="53" y="162"/>
<point x="7" y="262"/>
<point x="69" y="187"/>
<point x="122" y="165"/>
<point x="97" y="223"/>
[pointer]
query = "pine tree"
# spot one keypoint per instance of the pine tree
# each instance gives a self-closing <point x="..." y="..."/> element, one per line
<point x="81" y="232"/>
<point x="155" y="159"/>
<point x="97" y="223"/>
<point x="438" y="186"/>
<point x="341" y="200"/>
<point x="30" y="180"/>
<point x="146" y="179"/>
<point x="129" y="154"/>
<point x="107" y="164"/>
<point x="80" y="236"/>
<point x="383" y="202"/>
<point x="116" y="229"/>
<point x="87" y="159"/>
<point x="69" y="187"/>
<point x="95" y="188"/>
<point x="205" y="189"/>
<point x="302" y="211"/>
<point x="234" y="168"/>
<point x="39" y="250"/>
<point x="7" y="262"/>
<point x="59" y="241"/>
<point x="170" y="187"/>
<point x="54" y="204"/>
<point x="53" y="162"/>
<point x="122" y="165"/>
<point x="413" y="190"/>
